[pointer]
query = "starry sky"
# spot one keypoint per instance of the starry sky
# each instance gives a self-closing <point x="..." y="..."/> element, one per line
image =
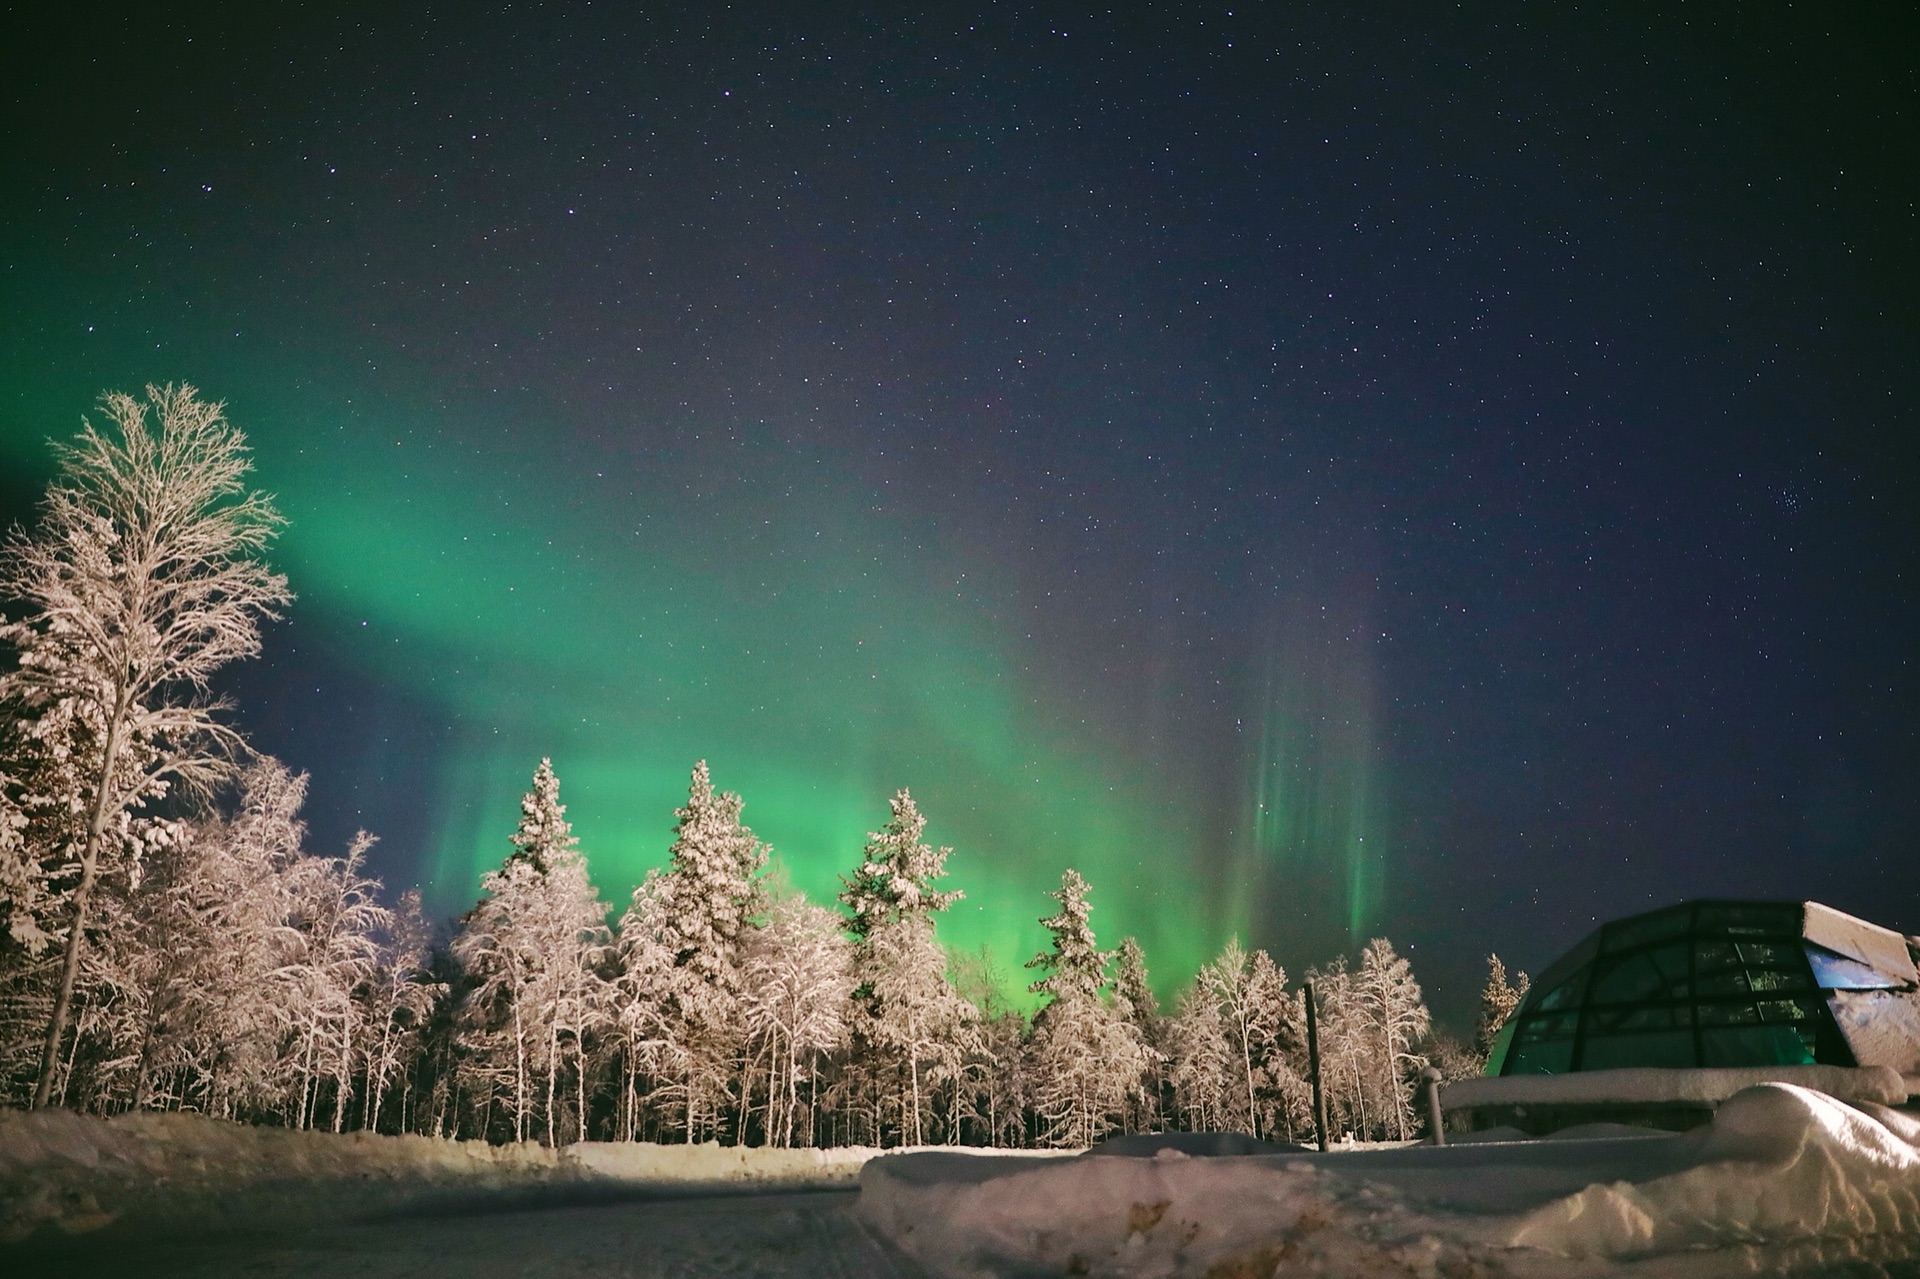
<point x="1321" y="471"/>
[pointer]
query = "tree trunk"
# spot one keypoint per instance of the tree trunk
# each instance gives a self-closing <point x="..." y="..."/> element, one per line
<point x="76" y="933"/>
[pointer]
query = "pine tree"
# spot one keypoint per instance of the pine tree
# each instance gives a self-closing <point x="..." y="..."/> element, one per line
<point x="915" y="1028"/>
<point x="544" y="831"/>
<point x="144" y="580"/>
<point x="1134" y="999"/>
<point x="531" y="949"/>
<point x="896" y="873"/>
<point x="1074" y="966"/>
<point x="1089" y="1059"/>
<point x="684" y="956"/>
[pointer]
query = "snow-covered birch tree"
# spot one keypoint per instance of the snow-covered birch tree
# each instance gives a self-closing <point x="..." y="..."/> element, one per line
<point x="797" y="978"/>
<point x="1395" y="1013"/>
<point x="143" y="579"/>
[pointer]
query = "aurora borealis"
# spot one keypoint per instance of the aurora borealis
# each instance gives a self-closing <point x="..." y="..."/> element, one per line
<point x="1435" y="475"/>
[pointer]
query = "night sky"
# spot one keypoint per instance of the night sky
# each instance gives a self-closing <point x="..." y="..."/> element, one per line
<point x="1440" y="473"/>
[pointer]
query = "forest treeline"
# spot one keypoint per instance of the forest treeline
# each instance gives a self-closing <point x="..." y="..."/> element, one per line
<point x="171" y="943"/>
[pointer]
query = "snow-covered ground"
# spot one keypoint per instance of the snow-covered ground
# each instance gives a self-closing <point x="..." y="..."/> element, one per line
<point x="69" y="1174"/>
<point x="1784" y="1181"/>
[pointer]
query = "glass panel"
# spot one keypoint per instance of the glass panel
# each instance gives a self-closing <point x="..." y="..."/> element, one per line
<point x="1563" y="995"/>
<point x="1715" y="956"/>
<point x="1786" y="1010"/>
<point x="1654" y="974"/>
<point x="1552" y="1057"/>
<point x="1749" y="920"/>
<point x="1756" y="1046"/>
<point x="1607" y="1020"/>
<point x="1727" y="1014"/>
<point x="1778" y="979"/>
<point x="1837" y="972"/>
<point x="1727" y="982"/>
<point x="1552" y="1026"/>
<point x="1612" y="1052"/>
<point x="1657" y="926"/>
<point x="1768" y="954"/>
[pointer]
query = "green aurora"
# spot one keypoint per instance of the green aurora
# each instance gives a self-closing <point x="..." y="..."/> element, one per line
<point x="746" y="601"/>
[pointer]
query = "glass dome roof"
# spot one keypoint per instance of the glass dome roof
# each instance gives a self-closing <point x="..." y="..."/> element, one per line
<point x="1704" y="983"/>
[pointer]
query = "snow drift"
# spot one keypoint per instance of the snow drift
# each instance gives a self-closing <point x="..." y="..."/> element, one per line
<point x="1784" y="1180"/>
<point x="146" y="1171"/>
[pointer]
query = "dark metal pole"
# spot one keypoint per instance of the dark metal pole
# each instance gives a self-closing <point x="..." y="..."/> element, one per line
<point x="1313" y="1068"/>
<point x="1436" y="1122"/>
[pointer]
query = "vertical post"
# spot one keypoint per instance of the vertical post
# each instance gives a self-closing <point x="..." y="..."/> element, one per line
<point x="1313" y="1068"/>
<point x="1436" y="1122"/>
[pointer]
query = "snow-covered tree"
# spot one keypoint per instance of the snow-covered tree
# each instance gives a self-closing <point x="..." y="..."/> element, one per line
<point x="896" y="872"/>
<point x="398" y="1000"/>
<point x="531" y="949"/>
<point x="1395" y="1013"/>
<point x="995" y="1081"/>
<point x="143" y="580"/>
<point x="915" y="1029"/>
<point x="1087" y="1058"/>
<point x="340" y="921"/>
<point x="1199" y="1062"/>
<point x="798" y="977"/>
<point x="682" y="944"/>
<point x="1074" y="965"/>
<point x="1133" y="997"/>
<point x="1231" y="1045"/>
<point x="1497" y="1002"/>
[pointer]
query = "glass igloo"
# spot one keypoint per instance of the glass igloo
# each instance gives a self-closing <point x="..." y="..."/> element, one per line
<point x="1722" y="984"/>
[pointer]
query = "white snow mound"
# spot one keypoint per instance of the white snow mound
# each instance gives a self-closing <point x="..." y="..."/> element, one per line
<point x="1780" y="1163"/>
<point x="1784" y="1181"/>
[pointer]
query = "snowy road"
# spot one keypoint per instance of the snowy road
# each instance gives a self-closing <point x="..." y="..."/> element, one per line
<point x="738" y="1236"/>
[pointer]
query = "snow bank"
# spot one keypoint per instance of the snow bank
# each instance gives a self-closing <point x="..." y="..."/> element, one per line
<point x="75" y="1173"/>
<point x="1780" y="1164"/>
<point x="1785" y="1180"/>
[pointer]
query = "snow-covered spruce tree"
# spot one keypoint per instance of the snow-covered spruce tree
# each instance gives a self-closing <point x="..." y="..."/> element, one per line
<point x="912" y="1031"/>
<point x="1133" y="996"/>
<point x="531" y="950"/>
<point x="1087" y="1057"/>
<point x="143" y="580"/>
<point x="684" y="956"/>
<point x="1396" y="1017"/>
<point x="1497" y="1002"/>
<point x="798" y="977"/>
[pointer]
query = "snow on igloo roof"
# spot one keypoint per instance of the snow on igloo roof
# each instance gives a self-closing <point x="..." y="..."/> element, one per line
<point x="1722" y="984"/>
